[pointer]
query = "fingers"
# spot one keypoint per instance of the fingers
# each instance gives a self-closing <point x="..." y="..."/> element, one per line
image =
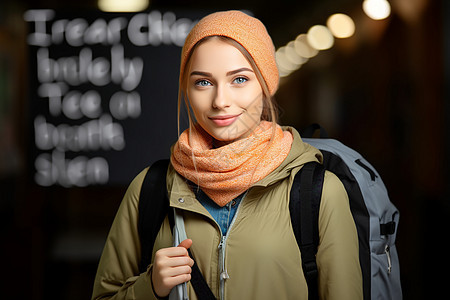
<point x="180" y="250"/>
<point x="163" y="261"/>
<point x="176" y="271"/>
<point x="187" y="243"/>
<point x="173" y="252"/>
<point x="172" y="266"/>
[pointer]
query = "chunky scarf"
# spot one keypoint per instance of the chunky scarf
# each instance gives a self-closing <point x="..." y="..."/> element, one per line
<point x="226" y="172"/>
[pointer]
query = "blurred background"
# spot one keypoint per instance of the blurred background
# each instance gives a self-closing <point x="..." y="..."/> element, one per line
<point x="88" y="99"/>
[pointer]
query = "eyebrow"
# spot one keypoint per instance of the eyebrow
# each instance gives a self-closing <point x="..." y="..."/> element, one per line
<point x="239" y="70"/>
<point x="206" y="74"/>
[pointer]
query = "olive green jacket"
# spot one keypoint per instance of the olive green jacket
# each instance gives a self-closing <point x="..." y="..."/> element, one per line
<point x="262" y="258"/>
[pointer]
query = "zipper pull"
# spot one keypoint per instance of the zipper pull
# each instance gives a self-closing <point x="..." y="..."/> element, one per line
<point x="387" y="250"/>
<point x="224" y="275"/>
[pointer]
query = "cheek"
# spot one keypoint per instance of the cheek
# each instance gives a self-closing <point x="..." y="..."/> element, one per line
<point x="255" y="103"/>
<point x="251" y="97"/>
<point x="198" y="103"/>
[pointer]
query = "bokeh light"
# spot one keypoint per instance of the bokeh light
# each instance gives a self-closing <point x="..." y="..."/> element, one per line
<point x="377" y="9"/>
<point x="122" y="5"/>
<point x="320" y="37"/>
<point x="303" y="48"/>
<point x="341" y="25"/>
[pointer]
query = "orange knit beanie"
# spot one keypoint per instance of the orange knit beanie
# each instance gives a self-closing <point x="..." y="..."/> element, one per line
<point x="244" y="29"/>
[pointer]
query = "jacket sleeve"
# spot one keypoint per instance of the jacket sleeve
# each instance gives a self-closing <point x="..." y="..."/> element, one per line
<point x="338" y="252"/>
<point x="118" y="274"/>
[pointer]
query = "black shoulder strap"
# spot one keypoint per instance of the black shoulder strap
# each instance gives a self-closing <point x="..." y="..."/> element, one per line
<point x="306" y="193"/>
<point x="153" y="208"/>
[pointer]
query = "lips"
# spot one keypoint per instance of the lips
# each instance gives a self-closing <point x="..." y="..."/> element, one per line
<point x="224" y="120"/>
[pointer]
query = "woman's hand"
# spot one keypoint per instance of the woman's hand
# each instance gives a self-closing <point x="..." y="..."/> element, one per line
<point x="172" y="266"/>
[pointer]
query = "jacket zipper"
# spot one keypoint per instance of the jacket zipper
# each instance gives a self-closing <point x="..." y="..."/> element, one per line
<point x="222" y="247"/>
<point x="223" y="270"/>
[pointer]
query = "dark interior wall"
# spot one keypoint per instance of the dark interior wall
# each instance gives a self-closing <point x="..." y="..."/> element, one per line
<point x="446" y="34"/>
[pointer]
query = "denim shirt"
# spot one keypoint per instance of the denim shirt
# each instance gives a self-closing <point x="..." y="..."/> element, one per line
<point x="223" y="215"/>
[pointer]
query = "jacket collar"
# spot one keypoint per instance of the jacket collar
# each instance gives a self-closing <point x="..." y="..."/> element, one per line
<point x="181" y="195"/>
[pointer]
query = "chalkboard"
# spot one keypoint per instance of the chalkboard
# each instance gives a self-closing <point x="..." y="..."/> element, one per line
<point x="103" y="91"/>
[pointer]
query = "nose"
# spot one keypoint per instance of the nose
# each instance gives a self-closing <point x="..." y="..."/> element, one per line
<point x="221" y="99"/>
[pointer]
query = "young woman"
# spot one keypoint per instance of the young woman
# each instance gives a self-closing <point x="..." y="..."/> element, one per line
<point x="230" y="177"/>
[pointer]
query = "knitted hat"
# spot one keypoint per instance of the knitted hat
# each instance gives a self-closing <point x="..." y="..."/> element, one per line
<point x="244" y="29"/>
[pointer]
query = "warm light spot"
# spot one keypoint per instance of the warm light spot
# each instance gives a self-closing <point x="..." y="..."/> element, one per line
<point x="123" y="5"/>
<point x="303" y="48"/>
<point x="320" y="37"/>
<point x="377" y="9"/>
<point x="292" y="55"/>
<point x="341" y="26"/>
<point x="285" y="65"/>
<point x="284" y="73"/>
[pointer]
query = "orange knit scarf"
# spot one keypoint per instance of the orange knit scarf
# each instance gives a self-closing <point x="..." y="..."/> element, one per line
<point x="226" y="172"/>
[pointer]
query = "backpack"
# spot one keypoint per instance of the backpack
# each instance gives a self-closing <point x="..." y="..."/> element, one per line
<point x="376" y="218"/>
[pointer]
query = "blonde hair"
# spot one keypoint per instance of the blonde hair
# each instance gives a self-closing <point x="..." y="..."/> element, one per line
<point x="269" y="111"/>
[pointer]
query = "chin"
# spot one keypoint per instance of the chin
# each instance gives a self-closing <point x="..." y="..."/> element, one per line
<point x="221" y="141"/>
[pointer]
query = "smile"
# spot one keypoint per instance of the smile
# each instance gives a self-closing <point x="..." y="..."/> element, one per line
<point x="224" y="120"/>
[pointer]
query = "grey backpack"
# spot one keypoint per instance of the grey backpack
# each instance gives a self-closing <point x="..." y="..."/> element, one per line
<point x="375" y="216"/>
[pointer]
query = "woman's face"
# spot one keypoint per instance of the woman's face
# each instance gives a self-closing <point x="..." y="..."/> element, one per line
<point x="223" y="91"/>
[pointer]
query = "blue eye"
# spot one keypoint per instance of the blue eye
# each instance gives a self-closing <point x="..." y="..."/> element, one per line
<point x="240" y="80"/>
<point x="203" y="83"/>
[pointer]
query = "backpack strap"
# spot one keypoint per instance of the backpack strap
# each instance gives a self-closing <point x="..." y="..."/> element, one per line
<point x="153" y="208"/>
<point x="304" y="204"/>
